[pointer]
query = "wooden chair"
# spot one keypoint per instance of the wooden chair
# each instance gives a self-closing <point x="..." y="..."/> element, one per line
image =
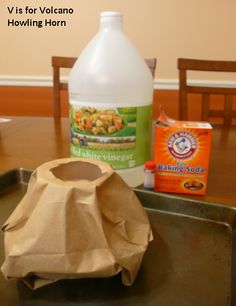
<point x="185" y="65"/>
<point x="59" y="62"/>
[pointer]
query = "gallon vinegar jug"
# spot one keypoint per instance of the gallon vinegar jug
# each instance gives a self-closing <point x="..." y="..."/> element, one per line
<point x="110" y="92"/>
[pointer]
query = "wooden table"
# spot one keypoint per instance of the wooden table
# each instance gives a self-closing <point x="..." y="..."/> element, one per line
<point x="27" y="142"/>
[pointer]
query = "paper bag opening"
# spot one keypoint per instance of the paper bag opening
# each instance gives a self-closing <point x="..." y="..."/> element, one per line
<point x="77" y="170"/>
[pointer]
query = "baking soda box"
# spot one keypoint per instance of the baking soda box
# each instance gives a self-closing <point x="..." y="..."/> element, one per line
<point x="182" y="153"/>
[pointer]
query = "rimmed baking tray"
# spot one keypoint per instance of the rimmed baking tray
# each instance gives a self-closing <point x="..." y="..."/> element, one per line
<point x="190" y="262"/>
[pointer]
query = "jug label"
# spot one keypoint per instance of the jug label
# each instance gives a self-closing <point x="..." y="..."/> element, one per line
<point x="119" y="136"/>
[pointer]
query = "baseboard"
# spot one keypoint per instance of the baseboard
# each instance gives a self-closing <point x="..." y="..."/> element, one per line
<point x="161" y="84"/>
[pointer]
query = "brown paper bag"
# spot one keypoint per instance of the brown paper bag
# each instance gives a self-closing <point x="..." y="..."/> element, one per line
<point x="78" y="219"/>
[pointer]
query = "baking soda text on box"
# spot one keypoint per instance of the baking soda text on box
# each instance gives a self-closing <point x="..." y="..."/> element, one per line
<point x="182" y="153"/>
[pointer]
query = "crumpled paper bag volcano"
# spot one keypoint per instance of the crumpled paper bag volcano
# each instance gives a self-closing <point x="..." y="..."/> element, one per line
<point x="78" y="219"/>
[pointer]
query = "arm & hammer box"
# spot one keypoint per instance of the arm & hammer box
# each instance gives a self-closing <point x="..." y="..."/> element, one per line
<point x="182" y="153"/>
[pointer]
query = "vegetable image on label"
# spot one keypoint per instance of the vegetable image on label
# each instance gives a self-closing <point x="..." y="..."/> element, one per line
<point x="105" y="134"/>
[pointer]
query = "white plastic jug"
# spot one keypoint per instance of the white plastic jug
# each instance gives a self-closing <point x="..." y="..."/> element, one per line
<point x="110" y="91"/>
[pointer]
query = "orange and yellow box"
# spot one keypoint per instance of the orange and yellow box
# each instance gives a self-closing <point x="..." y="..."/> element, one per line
<point x="182" y="153"/>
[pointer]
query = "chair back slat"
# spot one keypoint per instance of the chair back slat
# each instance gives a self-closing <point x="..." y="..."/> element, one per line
<point x="205" y="106"/>
<point x="211" y="90"/>
<point x="151" y="63"/>
<point x="63" y="62"/>
<point x="228" y="108"/>
<point x="206" y="65"/>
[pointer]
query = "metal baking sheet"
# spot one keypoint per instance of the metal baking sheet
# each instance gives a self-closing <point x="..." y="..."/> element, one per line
<point x="190" y="262"/>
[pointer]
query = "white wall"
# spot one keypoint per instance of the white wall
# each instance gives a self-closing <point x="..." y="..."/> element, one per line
<point x="166" y="29"/>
